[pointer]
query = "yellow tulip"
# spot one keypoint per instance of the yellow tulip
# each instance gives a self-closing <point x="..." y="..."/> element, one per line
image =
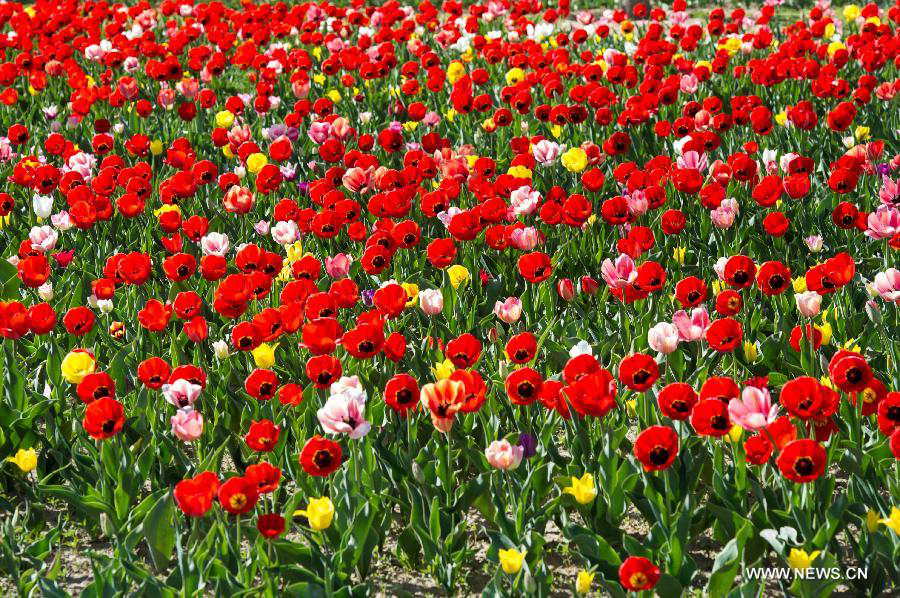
<point x="514" y="75"/>
<point x="412" y="292"/>
<point x="156" y="147"/>
<point x="583" y="581"/>
<point x="734" y="434"/>
<point x="455" y="71"/>
<point x="520" y="172"/>
<point x="872" y="519"/>
<point x="319" y="513"/>
<point x="166" y="207"/>
<point x="851" y="12"/>
<point x="76" y="365"/>
<point x="583" y="489"/>
<point x="264" y="356"/>
<point x="443" y="369"/>
<point x="224" y="119"/>
<point x="25" y="459"/>
<point x="678" y="254"/>
<point x="458" y="274"/>
<point x="799" y="559"/>
<point x="256" y="161"/>
<point x="825" y="329"/>
<point x="750" y="351"/>
<point x="799" y="284"/>
<point x="893" y="521"/>
<point x="511" y="560"/>
<point x="334" y="95"/>
<point x="575" y="159"/>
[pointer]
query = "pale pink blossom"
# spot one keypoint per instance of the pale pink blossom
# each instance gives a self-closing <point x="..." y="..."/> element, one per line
<point x="319" y="132"/>
<point x="689" y="83"/>
<point x="525" y="238"/>
<point x="619" y="274"/>
<point x="890" y="191"/>
<point x="285" y="232"/>
<point x="887" y="284"/>
<point x="809" y="303"/>
<point x="356" y="179"/>
<point x="509" y="310"/>
<point x="214" y="244"/>
<point x="339" y="265"/>
<point x="545" y="151"/>
<point x="181" y="393"/>
<point x="524" y="200"/>
<point x="503" y="455"/>
<point x="431" y="301"/>
<point x="691" y="327"/>
<point x="693" y="159"/>
<point x="883" y="223"/>
<point x="343" y="414"/>
<point x="187" y="424"/>
<point x="663" y="338"/>
<point x="43" y="238"/>
<point x="754" y="410"/>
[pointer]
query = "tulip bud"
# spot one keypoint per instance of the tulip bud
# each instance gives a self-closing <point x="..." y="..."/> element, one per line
<point x="565" y="288"/>
<point x="589" y="285"/>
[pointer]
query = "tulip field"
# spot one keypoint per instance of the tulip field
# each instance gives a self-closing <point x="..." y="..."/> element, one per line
<point x="437" y="298"/>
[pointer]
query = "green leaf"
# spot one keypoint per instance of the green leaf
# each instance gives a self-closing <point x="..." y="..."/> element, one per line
<point x="159" y="530"/>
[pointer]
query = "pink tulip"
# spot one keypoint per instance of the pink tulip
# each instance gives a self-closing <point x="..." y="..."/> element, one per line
<point x="809" y="303"/>
<point x="887" y="284"/>
<point x="663" y="338"/>
<point x="620" y="274"/>
<point x="883" y="223"/>
<point x="509" y="311"/>
<point x="754" y="410"/>
<point x="187" y="424"/>
<point x="431" y="301"/>
<point x="338" y="266"/>
<point x="502" y="455"/>
<point x="691" y="327"/>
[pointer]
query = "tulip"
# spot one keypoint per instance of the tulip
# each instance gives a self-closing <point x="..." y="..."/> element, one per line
<point x="893" y="521"/>
<point x="343" y="414"/>
<point x="583" y="489"/>
<point x="565" y="288"/>
<point x="319" y="512"/>
<point x="431" y="301"/>
<point x="509" y="310"/>
<point x="264" y="356"/>
<point x="800" y="559"/>
<point x="583" y="581"/>
<point x="76" y="365"/>
<point x="181" y="393"/>
<point x="220" y="348"/>
<point x="285" y="232"/>
<point x="809" y="303"/>
<point x="502" y="455"/>
<point x="663" y="338"/>
<point x="753" y="410"/>
<point x="25" y="459"/>
<point x="589" y="285"/>
<point x="187" y="424"/>
<point x="691" y="327"/>
<point x="546" y="152"/>
<point x="887" y="284"/>
<point x="458" y="274"/>
<point x="525" y="239"/>
<point x="511" y="560"/>
<point x="620" y="274"/>
<point x="339" y="265"/>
